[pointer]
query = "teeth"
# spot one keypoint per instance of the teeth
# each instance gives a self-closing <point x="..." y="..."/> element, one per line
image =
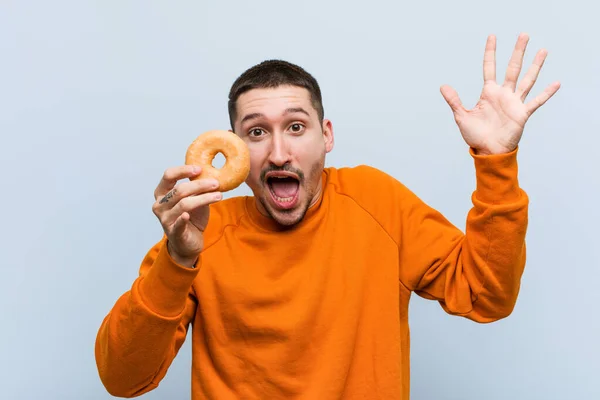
<point x="283" y="199"/>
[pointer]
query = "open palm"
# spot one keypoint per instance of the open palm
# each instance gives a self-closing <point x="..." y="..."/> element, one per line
<point x="495" y="125"/>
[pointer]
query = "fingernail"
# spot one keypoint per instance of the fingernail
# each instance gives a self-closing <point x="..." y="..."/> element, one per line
<point x="195" y="169"/>
<point x="218" y="196"/>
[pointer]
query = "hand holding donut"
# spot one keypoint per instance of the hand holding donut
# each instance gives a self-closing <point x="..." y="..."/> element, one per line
<point x="183" y="210"/>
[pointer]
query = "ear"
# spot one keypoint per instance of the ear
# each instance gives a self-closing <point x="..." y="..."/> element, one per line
<point x="328" y="135"/>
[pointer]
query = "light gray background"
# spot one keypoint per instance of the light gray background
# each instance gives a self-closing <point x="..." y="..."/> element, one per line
<point x="98" y="98"/>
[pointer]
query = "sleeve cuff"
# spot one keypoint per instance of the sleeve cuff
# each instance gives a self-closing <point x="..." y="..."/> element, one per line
<point x="165" y="287"/>
<point x="496" y="177"/>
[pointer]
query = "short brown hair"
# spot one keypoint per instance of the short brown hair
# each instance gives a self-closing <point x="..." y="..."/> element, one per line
<point x="271" y="74"/>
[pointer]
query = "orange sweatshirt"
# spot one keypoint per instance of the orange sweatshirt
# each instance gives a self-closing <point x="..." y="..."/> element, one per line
<point x="320" y="311"/>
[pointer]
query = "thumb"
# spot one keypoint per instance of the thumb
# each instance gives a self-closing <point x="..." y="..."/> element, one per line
<point x="180" y="224"/>
<point x="452" y="99"/>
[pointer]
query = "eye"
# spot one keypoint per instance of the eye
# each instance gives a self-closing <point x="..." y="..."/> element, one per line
<point x="255" y="132"/>
<point x="296" y="128"/>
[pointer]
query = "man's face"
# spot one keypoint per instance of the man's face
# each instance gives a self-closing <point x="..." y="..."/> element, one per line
<point x="287" y="144"/>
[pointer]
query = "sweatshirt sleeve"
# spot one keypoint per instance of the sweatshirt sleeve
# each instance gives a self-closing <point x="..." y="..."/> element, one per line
<point x="141" y="335"/>
<point x="475" y="274"/>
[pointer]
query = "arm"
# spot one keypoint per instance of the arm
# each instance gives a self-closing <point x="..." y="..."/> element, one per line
<point x="147" y="326"/>
<point x="139" y="338"/>
<point x="476" y="274"/>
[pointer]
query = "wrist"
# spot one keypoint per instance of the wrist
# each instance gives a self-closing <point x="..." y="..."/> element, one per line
<point x="481" y="152"/>
<point x="189" y="262"/>
<point x="493" y="150"/>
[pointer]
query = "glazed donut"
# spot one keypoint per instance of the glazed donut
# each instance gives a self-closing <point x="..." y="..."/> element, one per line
<point x="205" y="147"/>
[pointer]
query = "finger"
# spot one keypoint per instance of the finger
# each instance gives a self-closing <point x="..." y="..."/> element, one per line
<point x="532" y="74"/>
<point x="179" y="225"/>
<point x="539" y="101"/>
<point x="516" y="61"/>
<point x="489" y="60"/>
<point x="452" y="99"/>
<point x="172" y="175"/>
<point x="189" y="204"/>
<point x="183" y="190"/>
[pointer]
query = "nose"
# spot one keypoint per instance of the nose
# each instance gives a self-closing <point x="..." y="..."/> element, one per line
<point x="279" y="154"/>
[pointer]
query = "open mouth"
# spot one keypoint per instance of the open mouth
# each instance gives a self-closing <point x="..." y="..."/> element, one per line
<point x="284" y="190"/>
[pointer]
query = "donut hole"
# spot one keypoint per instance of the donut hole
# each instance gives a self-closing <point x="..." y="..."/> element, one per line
<point x="218" y="161"/>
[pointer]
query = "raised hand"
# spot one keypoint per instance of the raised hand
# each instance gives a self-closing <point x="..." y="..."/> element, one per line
<point x="183" y="211"/>
<point x="495" y="125"/>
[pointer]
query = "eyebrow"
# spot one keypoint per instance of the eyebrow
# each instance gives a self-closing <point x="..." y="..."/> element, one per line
<point x="291" y="110"/>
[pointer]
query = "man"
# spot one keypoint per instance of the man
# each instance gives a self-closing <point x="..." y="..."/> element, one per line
<point x="302" y="290"/>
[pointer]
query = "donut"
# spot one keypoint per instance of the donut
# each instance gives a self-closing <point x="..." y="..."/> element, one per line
<point x="207" y="145"/>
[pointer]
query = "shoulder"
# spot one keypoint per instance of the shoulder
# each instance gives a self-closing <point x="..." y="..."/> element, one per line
<point x="387" y="200"/>
<point x="365" y="184"/>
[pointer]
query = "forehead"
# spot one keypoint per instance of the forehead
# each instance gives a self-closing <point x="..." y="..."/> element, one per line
<point x="273" y="101"/>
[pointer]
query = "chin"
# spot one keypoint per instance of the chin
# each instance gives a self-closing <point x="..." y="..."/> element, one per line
<point x="286" y="217"/>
